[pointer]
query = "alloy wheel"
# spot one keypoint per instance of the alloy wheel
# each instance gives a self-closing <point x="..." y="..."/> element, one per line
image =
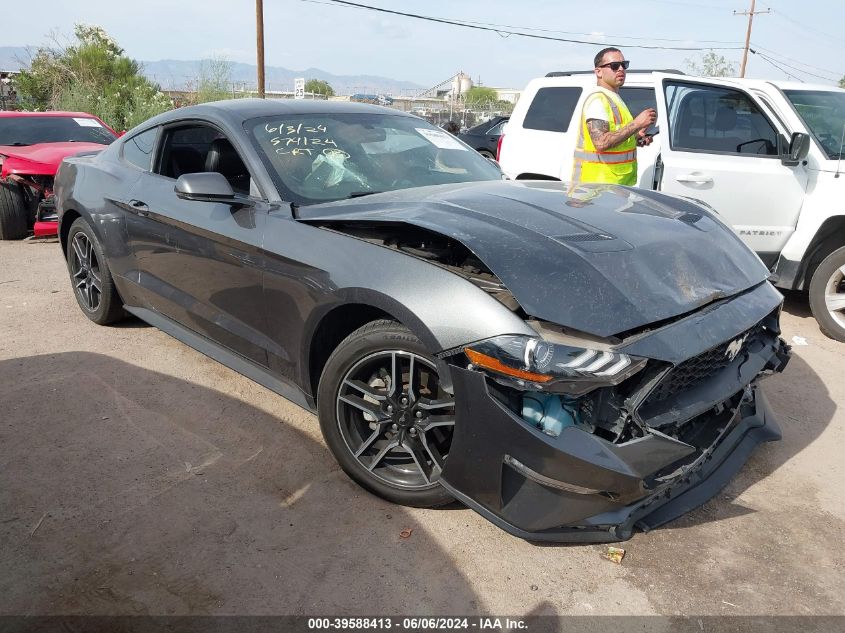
<point x="85" y="272"/>
<point x="395" y="418"/>
<point x="834" y="296"/>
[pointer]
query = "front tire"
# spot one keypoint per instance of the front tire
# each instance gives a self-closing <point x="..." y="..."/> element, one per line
<point x="93" y="285"/>
<point x="385" y="416"/>
<point x="827" y="295"/>
<point x="14" y="217"/>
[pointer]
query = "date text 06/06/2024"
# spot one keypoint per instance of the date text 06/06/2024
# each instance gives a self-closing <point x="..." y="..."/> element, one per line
<point x="415" y="623"/>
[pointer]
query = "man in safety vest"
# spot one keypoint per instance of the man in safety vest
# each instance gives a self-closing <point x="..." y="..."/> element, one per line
<point x="608" y="135"/>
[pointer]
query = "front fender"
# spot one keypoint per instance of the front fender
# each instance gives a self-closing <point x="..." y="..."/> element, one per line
<point x="806" y="247"/>
<point x="323" y="270"/>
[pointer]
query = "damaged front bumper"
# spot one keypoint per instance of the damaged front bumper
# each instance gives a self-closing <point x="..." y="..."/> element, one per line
<point x="40" y="200"/>
<point x="578" y="486"/>
<point x="46" y="218"/>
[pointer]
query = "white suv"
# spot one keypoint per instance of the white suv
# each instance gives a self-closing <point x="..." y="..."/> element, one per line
<point x="764" y="154"/>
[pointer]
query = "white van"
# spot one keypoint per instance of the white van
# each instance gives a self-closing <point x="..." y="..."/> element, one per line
<point x="766" y="155"/>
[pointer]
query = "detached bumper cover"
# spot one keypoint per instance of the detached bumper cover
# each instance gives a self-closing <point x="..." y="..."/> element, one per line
<point x="578" y="487"/>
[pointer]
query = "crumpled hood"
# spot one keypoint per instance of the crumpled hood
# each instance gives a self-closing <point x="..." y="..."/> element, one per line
<point x="603" y="260"/>
<point x="42" y="159"/>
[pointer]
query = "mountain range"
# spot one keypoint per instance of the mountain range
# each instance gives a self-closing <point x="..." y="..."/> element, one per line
<point x="173" y="74"/>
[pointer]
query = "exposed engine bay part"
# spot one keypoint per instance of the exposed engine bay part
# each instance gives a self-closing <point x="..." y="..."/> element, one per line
<point x="432" y="247"/>
<point x="621" y="468"/>
<point x="642" y="398"/>
<point x="532" y="242"/>
<point x="551" y="413"/>
<point x="602" y="412"/>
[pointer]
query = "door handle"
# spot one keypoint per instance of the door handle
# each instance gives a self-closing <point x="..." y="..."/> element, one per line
<point x="139" y="207"/>
<point x="698" y="179"/>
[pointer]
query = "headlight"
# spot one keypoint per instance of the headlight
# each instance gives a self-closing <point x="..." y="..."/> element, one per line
<point x="526" y="361"/>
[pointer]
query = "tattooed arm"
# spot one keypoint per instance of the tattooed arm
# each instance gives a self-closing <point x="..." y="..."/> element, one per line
<point x="604" y="139"/>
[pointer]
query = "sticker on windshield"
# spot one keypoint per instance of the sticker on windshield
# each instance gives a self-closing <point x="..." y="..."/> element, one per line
<point x="87" y="122"/>
<point x="440" y="139"/>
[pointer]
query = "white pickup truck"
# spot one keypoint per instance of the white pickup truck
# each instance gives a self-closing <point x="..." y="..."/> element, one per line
<point x="766" y="155"/>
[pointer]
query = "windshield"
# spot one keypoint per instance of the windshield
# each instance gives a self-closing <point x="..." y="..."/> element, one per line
<point x="823" y="112"/>
<point x="31" y="130"/>
<point x="321" y="157"/>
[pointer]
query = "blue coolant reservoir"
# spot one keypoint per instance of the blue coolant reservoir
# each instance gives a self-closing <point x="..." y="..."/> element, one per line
<point x="548" y="412"/>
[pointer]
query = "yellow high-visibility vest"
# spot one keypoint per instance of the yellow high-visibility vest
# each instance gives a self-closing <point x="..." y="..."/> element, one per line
<point x="617" y="165"/>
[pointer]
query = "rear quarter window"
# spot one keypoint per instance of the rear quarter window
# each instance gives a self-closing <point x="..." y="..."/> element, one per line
<point x="138" y="150"/>
<point x="552" y="108"/>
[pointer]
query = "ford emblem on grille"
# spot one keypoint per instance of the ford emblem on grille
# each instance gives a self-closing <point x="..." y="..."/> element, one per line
<point x="735" y="347"/>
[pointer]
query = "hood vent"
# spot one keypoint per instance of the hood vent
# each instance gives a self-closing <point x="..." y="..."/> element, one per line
<point x="584" y="237"/>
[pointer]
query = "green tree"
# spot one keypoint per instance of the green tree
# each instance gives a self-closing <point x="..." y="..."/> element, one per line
<point x="91" y="75"/>
<point x="215" y="80"/>
<point x="711" y="65"/>
<point x="319" y="87"/>
<point x="842" y="82"/>
<point x="480" y="97"/>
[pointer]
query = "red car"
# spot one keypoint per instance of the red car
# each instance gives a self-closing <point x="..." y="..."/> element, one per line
<point x="32" y="145"/>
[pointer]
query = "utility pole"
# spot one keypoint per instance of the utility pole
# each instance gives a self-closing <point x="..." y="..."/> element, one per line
<point x="750" y="13"/>
<point x="259" y="35"/>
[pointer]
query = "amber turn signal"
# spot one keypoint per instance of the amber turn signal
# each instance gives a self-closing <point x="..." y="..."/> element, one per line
<point x="494" y="364"/>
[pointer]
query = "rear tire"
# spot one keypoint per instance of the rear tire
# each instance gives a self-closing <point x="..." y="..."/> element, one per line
<point x="487" y="153"/>
<point x="90" y="277"/>
<point x="385" y="416"/>
<point x="827" y="295"/>
<point x="14" y="217"/>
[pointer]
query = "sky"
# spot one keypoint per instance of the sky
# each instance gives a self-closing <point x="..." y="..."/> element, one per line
<point x="799" y="39"/>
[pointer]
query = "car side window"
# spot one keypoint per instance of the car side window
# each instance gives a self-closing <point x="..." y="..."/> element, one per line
<point x="496" y="130"/>
<point x="192" y="149"/>
<point x="138" y="150"/>
<point x="552" y="108"/>
<point x="719" y="120"/>
<point x="638" y="99"/>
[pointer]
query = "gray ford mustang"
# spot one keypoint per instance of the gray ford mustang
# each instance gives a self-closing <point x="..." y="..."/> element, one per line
<point x="572" y="364"/>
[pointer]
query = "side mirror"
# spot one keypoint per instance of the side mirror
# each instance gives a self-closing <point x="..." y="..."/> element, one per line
<point x="799" y="147"/>
<point x="207" y="187"/>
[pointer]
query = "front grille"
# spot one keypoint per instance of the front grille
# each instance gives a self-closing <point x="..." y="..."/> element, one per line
<point x="699" y="368"/>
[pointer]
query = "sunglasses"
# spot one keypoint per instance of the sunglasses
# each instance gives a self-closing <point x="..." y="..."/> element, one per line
<point x="614" y="66"/>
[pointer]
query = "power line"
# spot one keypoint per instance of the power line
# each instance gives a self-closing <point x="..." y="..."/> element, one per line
<point x="540" y="30"/>
<point x="785" y="72"/>
<point x="805" y="27"/>
<point x="506" y="32"/>
<point x="476" y="24"/>
<point x="777" y="55"/>
<point x="794" y="68"/>
<point x="618" y="37"/>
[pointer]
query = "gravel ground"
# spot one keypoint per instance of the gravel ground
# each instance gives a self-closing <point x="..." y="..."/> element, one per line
<point x="138" y="477"/>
